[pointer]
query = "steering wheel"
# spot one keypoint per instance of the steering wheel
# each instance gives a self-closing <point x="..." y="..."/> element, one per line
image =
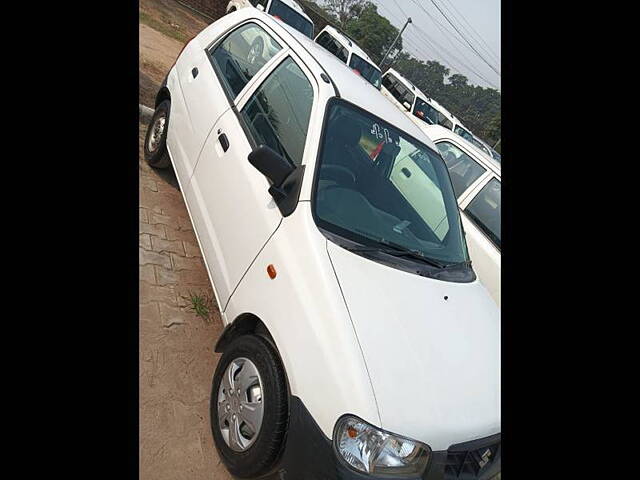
<point x="255" y="52"/>
<point x="338" y="173"/>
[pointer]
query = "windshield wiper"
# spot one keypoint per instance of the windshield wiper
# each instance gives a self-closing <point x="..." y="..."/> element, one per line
<point x="398" y="251"/>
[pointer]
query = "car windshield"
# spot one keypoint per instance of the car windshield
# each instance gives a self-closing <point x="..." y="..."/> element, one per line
<point x="289" y="16"/>
<point x="368" y="71"/>
<point x="378" y="186"/>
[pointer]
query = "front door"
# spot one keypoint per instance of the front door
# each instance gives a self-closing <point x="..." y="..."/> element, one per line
<point x="235" y="215"/>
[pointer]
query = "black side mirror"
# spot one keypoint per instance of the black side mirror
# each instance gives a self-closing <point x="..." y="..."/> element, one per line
<point x="286" y="178"/>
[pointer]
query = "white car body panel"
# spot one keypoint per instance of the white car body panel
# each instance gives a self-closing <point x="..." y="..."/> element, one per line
<point x="305" y="314"/>
<point x="342" y="354"/>
<point x="413" y="339"/>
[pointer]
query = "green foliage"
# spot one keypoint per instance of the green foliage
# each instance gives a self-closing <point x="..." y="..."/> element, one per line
<point x="201" y="305"/>
<point x="372" y="32"/>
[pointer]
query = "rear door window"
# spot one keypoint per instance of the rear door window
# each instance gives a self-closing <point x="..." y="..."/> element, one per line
<point x="327" y="41"/>
<point x="463" y="169"/>
<point x="241" y="55"/>
<point x="397" y="89"/>
<point x="484" y="210"/>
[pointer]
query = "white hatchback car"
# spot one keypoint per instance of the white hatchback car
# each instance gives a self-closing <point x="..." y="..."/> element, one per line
<point x="358" y="342"/>
<point x="348" y="51"/>
<point x="476" y="179"/>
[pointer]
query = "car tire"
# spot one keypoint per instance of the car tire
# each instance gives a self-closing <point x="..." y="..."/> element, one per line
<point x="264" y="448"/>
<point x="155" y="142"/>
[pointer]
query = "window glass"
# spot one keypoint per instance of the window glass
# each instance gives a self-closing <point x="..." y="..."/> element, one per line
<point x="289" y="16"/>
<point x="463" y="133"/>
<point x="378" y="185"/>
<point x="278" y="112"/>
<point x="484" y="210"/>
<point x="462" y="168"/>
<point x="335" y="47"/>
<point x="242" y="54"/>
<point x="397" y="89"/>
<point x="366" y="70"/>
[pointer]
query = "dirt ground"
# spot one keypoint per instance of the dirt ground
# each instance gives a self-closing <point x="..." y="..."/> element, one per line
<point x="164" y="27"/>
<point x="176" y="345"/>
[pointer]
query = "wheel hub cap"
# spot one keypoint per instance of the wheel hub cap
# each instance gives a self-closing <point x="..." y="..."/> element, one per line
<point x="157" y="129"/>
<point x="240" y="404"/>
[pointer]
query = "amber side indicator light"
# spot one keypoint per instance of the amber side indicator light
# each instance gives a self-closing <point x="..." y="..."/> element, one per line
<point x="271" y="270"/>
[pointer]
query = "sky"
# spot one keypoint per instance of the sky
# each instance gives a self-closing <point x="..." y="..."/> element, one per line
<point x="427" y="39"/>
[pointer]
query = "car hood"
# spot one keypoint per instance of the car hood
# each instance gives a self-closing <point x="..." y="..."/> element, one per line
<point x="434" y="364"/>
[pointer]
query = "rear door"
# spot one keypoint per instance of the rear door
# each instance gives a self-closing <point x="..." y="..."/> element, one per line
<point x="232" y="211"/>
<point x="203" y="98"/>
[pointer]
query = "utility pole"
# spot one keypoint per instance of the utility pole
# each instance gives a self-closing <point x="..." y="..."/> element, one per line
<point x="396" y="39"/>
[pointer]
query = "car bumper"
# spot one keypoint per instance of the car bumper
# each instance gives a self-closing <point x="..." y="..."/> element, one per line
<point x="309" y="455"/>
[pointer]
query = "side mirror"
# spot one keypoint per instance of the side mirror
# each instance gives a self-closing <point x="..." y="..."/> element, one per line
<point x="286" y="179"/>
<point x="406" y="105"/>
<point x="273" y="166"/>
<point x="260" y="7"/>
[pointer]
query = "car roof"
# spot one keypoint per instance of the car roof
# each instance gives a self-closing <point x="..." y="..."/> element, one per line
<point x="438" y="132"/>
<point x="295" y="6"/>
<point x="349" y="42"/>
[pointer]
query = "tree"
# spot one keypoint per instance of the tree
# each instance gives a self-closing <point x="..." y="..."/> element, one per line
<point x="343" y="10"/>
<point x="372" y="32"/>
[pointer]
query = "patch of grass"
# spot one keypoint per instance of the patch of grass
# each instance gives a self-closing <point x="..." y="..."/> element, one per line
<point x="201" y="305"/>
<point x="164" y="27"/>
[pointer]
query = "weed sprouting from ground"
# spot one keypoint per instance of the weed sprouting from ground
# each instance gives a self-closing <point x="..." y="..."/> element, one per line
<point x="201" y="305"/>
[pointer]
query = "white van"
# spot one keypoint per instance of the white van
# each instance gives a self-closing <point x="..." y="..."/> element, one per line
<point x="358" y="342"/>
<point x="289" y="11"/>
<point x="418" y="106"/>
<point x="476" y="182"/>
<point x="350" y="53"/>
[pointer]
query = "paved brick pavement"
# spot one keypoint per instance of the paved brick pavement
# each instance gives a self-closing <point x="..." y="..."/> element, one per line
<point x="176" y="346"/>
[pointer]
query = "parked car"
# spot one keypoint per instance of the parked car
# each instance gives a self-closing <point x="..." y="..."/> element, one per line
<point x="420" y="108"/>
<point x="476" y="182"/>
<point x="346" y="49"/>
<point x="357" y="340"/>
<point x="289" y="11"/>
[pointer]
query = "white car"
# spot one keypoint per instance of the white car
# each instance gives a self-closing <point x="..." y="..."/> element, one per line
<point x="289" y="11"/>
<point x="348" y="51"/>
<point x="476" y="179"/>
<point x="358" y="342"/>
<point x="418" y="106"/>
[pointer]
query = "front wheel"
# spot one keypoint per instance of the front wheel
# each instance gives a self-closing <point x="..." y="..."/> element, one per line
<point x="249" y="406"/>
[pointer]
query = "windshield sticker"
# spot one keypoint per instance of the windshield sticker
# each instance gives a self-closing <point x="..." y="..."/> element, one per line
<point x="381" y="133"/>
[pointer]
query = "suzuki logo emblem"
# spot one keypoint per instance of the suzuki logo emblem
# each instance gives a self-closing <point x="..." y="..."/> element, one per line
<point x="486" y="456"/>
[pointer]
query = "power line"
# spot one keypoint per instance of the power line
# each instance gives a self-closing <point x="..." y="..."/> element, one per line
<point x="482" y="40"/>
<point x="441" y="26"/>
<point x="464" y="38"/>
<point x="439" y="50"/>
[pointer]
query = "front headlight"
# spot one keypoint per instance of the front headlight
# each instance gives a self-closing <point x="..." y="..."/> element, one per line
<point x="371" y="450"/>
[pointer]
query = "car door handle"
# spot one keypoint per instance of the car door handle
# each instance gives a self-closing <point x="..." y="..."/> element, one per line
<point x="224" y="141"/>
<point x="406" y="172"/>
<point x="194" y="72"/>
